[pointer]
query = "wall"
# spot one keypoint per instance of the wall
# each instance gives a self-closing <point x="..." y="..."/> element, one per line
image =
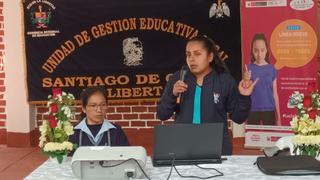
<point x="3" y="115"/>
<point x="129" y="115"/>
<point x="18" y="127"/>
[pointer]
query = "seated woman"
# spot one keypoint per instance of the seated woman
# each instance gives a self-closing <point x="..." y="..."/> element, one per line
<point x="94" y="129"/>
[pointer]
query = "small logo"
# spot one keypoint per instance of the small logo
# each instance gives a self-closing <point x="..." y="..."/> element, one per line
<point x="132" y="51"/>
<point x="266" y="3"/>
<point x="255" y="138"/>
<point x="301" y="5"/>
<point x="216" y="97"/>
<point x="219" y="9"/>
<point x="40" y="18"/>
<point x="41" y="14"/>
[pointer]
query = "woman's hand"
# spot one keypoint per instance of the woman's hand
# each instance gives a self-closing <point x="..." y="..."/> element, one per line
<point x="246" y="85"/>
<point x="246" y="77"/>
<point x="179" y="87"/>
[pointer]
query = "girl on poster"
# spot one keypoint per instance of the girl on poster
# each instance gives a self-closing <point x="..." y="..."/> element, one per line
<point x="264" y="98"/>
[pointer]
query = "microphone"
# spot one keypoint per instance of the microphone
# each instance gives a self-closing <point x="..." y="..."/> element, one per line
<point x="183" y="73"/>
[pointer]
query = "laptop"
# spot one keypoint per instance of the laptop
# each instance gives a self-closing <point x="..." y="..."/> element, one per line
<point x="187" y="144"/>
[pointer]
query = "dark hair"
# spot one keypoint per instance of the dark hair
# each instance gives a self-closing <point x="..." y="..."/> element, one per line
<point x="260" y="36"/>
<point x="87" y="93"/>
<point x="217" y="64"/>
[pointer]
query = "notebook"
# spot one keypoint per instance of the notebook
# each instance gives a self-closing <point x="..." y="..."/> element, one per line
<point x="187" y="144"/>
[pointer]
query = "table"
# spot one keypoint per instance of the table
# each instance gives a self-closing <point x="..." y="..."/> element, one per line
<point x="236" y="167"/>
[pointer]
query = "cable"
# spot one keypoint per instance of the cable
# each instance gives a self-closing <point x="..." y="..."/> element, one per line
<point x="183" y="176"/>
<point x="144" y="173"/>
<point x="220" y="173"/>
<point x="172" y="164"/>
<point x="208" y="177"/>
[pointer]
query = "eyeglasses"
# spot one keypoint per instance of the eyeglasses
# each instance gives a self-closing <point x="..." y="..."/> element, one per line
<point x="95" y="106"/>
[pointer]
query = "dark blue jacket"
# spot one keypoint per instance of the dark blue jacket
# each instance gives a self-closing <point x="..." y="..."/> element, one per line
<point x="117" y="138"/>
<point x="219" y="96"/>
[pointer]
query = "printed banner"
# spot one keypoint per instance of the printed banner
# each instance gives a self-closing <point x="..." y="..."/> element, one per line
<point x="129" y="47"/>
<point x="279" y="45"/>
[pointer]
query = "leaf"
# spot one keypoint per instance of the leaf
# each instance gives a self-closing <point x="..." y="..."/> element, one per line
<point x="57" y="135"/>
<point x="59" y="158"/>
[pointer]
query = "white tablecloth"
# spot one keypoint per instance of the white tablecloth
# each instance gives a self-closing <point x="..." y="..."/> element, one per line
<point x="236" y="167"/>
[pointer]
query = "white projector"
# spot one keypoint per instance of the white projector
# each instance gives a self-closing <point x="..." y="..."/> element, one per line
<point x="106" y="162"/>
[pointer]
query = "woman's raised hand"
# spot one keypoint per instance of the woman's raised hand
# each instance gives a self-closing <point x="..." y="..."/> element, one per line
<point x="246" y="85"/>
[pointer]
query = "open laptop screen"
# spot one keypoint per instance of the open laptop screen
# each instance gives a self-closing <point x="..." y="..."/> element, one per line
<point x="187" y="144"/>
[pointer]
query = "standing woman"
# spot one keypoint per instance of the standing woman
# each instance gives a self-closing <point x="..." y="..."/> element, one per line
<point x="208" y="92"/>
<point x="94" y="129"/>
<point x="265" y="100"/>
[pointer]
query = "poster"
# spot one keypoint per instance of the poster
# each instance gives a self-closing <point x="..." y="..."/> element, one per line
<point x="283" y="34"/>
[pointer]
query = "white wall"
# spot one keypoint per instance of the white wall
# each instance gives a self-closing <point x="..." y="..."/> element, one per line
<point x="18" y="116"/>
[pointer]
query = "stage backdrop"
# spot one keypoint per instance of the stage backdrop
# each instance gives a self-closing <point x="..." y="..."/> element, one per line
<point x="290" y="29"/>
<point x="130" y="47"/>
